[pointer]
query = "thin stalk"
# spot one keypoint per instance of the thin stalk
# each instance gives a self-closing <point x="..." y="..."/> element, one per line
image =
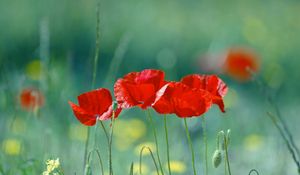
<point x="152" y="156"/>
<point x="99" y="157"/>
<point x="94" y="73"/>
<point x="205" y="142"/>
<point x="95" y="134"/>
<point x="225" y="167"/>
<point x="281" y="131"/>
<point x="226" y="154"/>
<point x="105" y="131"/>
<point x="96" y="58"/>
<point x="131" y="169"/>
<point x="191" y="145"/>
<point x="110" y="145"/>
<point x="156" y="142"/>
<point x="285" y="128"/>
<point x="167" y="142"/>
<point x="253" y="170"/>
<point x="86" y="147"/>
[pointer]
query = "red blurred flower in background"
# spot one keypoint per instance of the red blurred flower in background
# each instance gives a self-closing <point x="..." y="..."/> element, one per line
<point x="31" y="98"/>
<point x="94" y="105"/>
<point x="211" y="83"/>
<point x="139" y="88"/>
<point x="240" y="63"/>
<point x="178" y="98"/>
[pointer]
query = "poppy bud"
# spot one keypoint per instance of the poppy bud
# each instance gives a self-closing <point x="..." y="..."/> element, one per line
<point x="228" y="136"/>
<point x="217" y="158"/>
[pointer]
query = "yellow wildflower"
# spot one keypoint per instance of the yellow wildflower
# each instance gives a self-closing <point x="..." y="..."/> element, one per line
<point x="52" y="164"/>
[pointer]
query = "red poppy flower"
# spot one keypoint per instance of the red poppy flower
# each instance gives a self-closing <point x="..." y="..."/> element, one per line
<point x="178" y="98"/>
<point x="138" y="88"/>
<point x="211" y="83"/>
<point x="31" y="98"/>
<point x="93" y="105"/>
<point x="240" y="63"/>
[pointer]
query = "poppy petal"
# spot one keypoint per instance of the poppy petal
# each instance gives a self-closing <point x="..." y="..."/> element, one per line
<point x="162" y="103"/>
<point x="210" y="83"/>
<point x="31" y="98"/>
<point x="108" y="114"/>
<point x="138" y="88"/>
<point x="182" y="100"/>
<point x="240" y="62"/>
<point x="83" y="116"/>
<point x="95" y="102"/>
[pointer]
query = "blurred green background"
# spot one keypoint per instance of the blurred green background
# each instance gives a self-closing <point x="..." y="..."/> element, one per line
<point x="51" y="45"/>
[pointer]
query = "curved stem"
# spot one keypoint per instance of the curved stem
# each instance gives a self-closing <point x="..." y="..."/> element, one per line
<point x="285" y="128"/>
<point x="191" y="145"/>
<point x="290" y="148"/>
<point x="152" y="156"/>
<point x="156" y="142"/>
<point x="99" y="157"/>
<point x="253" y="170"/>
<point x="167" y="142"/>
<point x="205" y="142"/>
<point x="294" y="150"/>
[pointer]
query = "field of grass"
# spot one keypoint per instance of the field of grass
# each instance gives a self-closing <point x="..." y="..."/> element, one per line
<point x="60" y="49"/>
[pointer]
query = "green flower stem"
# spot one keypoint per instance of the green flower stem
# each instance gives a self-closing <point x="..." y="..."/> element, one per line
<point x="191" y="145"/>
<point x="290" y="147"/>
<point x="86" y="147"/>
<point x="167" y="141"/>
<point x="205" y="142"/>
<point x="283" y="129"/>
<point x="152" y="156"/>
<point x="131" y="169"/>
<point x="226" y="154"/>
<point x="110" y="145"/>
<point x="156" y="142"/>
<point x="253" y="170"/>
<point x="94" y="74"/>
<point x="105" y="131"/>
<point x="100" y="160"/>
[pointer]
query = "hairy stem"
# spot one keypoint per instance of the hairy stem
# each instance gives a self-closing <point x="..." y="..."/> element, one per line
<point x="281" y="131"/>
<point x="99" y="158"/>
<point x="86" y="147"/>
<point x="167" y="142"/>
<point x="94" y="72"/>
<point x="205" y="142"/>
<point x="110" y="145"/>
<point x="191" y="145"/>
<point x="156" y="142"/>
<point x="285" y="128"/>
<point x="226" y="154"/>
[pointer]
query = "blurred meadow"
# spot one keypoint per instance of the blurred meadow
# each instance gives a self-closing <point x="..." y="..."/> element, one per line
<point x="50" y="46"/>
